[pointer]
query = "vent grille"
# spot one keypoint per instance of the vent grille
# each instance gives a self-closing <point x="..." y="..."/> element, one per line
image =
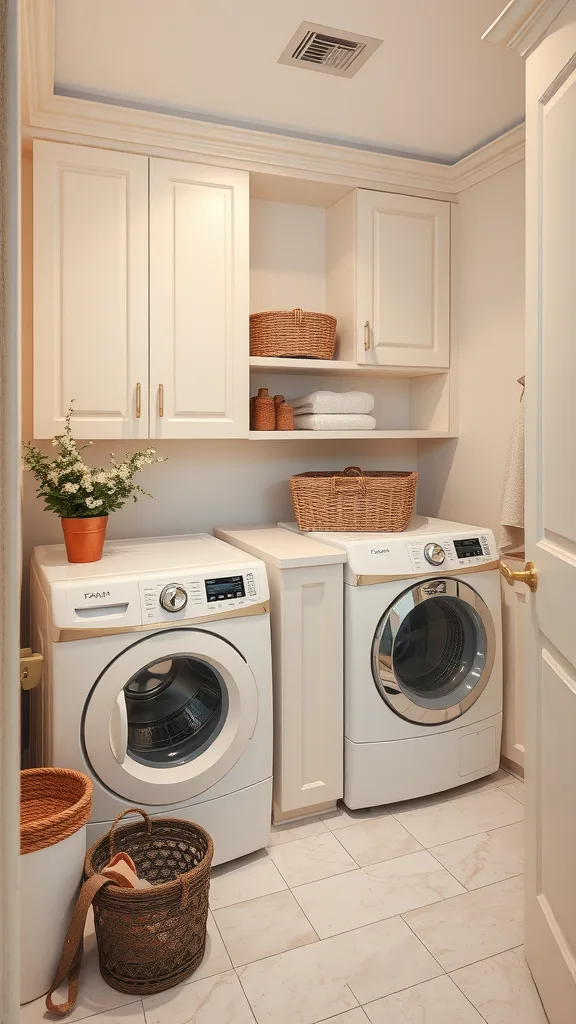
<point x="320" y="48"/>
<point x="328" y="50"/>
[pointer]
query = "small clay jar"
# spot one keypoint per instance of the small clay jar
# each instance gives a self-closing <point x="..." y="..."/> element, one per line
<point x="264" y="411"/>
<point x="284" y="416"/>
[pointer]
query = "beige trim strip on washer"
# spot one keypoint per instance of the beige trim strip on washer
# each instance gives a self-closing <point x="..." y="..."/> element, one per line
<point x="65" y="635"/>
<point x="368" y="581"/>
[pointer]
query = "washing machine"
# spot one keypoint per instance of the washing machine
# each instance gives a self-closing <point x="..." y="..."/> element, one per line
<point x="158" y="682"/>
<point x="423" y="660"/>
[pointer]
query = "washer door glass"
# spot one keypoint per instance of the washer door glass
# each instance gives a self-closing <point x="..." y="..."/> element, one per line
<point x="433" y="651"/>
<point x="169" y="716"/>
<point x="174" y="708"/>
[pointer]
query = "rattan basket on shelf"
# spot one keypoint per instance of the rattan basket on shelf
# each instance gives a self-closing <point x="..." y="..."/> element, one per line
<point x="295" y="334"/>
<point x="354" y="501"/>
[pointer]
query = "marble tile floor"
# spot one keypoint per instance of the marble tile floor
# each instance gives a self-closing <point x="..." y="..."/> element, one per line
<point x="407" y="914"/>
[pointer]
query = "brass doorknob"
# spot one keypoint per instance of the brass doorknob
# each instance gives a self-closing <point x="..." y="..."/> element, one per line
<point x="527" y="575"/>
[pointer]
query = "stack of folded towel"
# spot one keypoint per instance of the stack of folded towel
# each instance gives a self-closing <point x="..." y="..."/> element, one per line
<point x="333" y="410"/>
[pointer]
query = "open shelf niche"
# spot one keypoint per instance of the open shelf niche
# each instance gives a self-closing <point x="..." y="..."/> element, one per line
<point x="288" y="269"/>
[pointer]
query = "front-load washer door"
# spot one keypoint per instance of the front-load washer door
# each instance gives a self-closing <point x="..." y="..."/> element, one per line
<point x="170" y="716"/>
<point x="433" y="651"/>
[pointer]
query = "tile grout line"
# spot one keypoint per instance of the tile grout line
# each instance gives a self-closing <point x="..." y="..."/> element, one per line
<point x="422" y="943"/>
<point x="479" y="1012"/>
<point x="463" y="884"/>
<point x="345" y="871"/>
<point x="251" y="1008"/>
<point x="470" y="836"/>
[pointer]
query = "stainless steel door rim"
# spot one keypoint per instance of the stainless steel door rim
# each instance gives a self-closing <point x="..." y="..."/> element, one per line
<point x="431" y="662"/>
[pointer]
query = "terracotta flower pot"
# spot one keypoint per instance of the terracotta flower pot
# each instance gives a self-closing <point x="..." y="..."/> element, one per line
<point x="84" y="538"/>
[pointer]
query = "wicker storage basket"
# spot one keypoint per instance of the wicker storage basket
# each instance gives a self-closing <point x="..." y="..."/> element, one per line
<point x="293" y="334"/>
<point x="148" y="939"/>
<point x="354" y="501"/>
<point x="54" y="804"/>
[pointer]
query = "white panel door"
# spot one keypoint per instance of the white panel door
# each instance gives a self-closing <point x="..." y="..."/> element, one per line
<point x="551" y="518"/>
<point x="403" y="280"/>
<point x="90" y="291"/>
<point x="199" y="292"/>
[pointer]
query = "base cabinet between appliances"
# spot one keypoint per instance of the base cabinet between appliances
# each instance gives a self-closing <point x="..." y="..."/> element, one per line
<point x="306" y="615"/>
<point x="388" y="278"/>
<point x="140" y="295"/>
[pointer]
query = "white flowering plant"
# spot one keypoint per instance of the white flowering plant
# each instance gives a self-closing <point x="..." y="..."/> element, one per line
<point x="74" y="490"/>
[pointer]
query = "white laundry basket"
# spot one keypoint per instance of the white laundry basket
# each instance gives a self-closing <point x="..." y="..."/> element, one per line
<point x="55" y="805"/>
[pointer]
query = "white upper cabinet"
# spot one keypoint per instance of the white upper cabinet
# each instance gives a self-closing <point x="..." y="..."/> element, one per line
<point x="90" y="291"/>
<point x="199" y="295"/>
<point x="388" y="281"/>
<point x="140" y="295"/>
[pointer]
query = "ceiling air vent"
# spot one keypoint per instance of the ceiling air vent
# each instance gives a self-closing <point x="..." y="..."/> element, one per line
<point x="320" y="48"/>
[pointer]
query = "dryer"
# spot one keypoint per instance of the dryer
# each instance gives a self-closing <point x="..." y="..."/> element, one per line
<point x="158" y="682"/>
<point x="423" y="660"/>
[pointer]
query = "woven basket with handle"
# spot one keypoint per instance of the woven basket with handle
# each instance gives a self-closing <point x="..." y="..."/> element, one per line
<point x="354" y="501"/>
<point x="296" y="334"/>
<point x="148" y="939"/>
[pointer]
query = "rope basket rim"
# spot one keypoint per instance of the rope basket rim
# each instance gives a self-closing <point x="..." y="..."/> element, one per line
<point x="53" y="828"/>
<point x="353" y="501"/>
<point x="292" y="333"/>
<point x="291" y="312"/>
<point x="169" y="888"/>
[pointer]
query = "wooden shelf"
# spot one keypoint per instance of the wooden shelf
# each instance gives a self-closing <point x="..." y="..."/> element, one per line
<point x="263" y="364"/>
<point x="349" y="435"/>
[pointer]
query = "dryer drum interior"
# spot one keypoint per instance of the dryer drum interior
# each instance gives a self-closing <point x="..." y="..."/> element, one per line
<point x="175" y="708"/>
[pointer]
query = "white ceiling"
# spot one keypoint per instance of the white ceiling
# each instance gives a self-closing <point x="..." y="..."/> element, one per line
<point x="432" y="90"/>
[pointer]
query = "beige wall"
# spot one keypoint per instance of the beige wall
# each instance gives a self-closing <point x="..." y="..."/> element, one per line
<point x="462" y="480"/>
<point x="204" y="483"/>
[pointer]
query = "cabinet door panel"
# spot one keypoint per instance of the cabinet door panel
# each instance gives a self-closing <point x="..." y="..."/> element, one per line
<point x="403" y="277"/>
<point x="198" y="301"/>
<point x="90" y="290"/>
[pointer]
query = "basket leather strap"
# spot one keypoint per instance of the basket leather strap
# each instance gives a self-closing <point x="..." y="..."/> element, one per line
<point x="71" y="959"/>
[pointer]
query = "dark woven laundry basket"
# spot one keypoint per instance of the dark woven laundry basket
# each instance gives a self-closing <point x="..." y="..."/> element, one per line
<point x="148" y="939"/>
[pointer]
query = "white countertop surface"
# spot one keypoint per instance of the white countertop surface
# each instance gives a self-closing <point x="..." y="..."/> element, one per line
<point x="279" y="547"/>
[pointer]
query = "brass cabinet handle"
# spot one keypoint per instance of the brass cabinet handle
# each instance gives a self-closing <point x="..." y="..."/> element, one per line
<point x="366" y="335"/>
<point x="527" y="575"/>
<point x="138" y="401"/>
<point x="160" y="399"/>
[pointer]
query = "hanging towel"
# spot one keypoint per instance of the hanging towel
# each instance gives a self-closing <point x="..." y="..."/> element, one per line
<point x="320" y="421"/>
<point x="512" y="509"/>
<point x="334" y="402"/>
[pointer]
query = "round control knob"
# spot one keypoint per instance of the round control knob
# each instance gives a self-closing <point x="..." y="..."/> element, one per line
<point x="434" y="554"/>
<point x="173" y="598"/>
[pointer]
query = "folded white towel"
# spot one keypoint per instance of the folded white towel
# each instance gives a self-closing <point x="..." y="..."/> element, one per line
<point x="334" y="402"/>
<point x="321" y="421"/>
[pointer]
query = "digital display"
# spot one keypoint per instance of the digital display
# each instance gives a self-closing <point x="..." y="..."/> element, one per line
<point x="470" y="548"/>
<point x="225" y="588"/>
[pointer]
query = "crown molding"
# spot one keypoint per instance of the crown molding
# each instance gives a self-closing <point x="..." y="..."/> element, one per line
<point x="522" y="24"/>
<point x="90" y="122"/>
<point x="495" y="156"/>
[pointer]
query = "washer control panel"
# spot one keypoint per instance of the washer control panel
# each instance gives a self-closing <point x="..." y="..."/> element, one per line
<point x="450" y="553"/>
<point x="195" y="596"/>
